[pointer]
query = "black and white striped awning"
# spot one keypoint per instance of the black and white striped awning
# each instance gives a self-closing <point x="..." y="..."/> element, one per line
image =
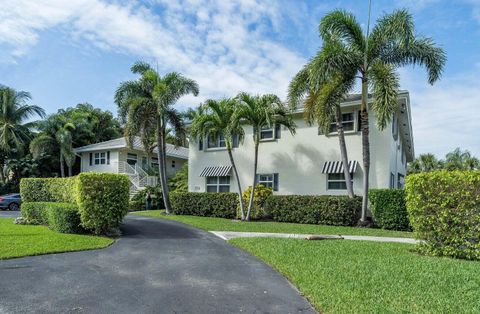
<point x="218" y="171"/>
<point x="337" y="166"/>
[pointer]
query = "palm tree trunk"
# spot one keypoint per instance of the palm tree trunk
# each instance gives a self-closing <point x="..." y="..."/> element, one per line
<point x="240" y="195"/>
<point x="69" y="171"/>
<point x="2" y="166"/>
<point x="365" y="147"/>
<point x="62" y="167"/>
<point x="161" y="165"/>
<point x="343" y="151"/>
<point x="255" y="164"/>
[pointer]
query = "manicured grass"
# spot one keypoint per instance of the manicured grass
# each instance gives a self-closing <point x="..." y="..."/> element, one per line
<point x="26" y="240"/>
<point x="221" y="224"/>
<point x="344" y="276"/>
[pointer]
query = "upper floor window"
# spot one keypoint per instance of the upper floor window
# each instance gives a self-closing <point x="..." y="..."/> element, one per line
<point x="267" y="133"/>
<point x="336" y="181"/>
<point x="348" y="122"/>
<point x="218" y="184"/>
<point x="216" y="141"/>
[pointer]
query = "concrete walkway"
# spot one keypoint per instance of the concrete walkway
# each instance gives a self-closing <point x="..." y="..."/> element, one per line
<point x="157" y="266"/>
<point x="227" y="235"/>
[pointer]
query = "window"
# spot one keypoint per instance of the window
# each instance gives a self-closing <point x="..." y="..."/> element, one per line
<point x="173" y="163"/>
<point x="266" y="133"/>
<point x="392" y="181"/>
<point x="216" y="141"/>
<point x="100" y="158"/>
<point x="348" y="122"/>
<point x="154" y="162"/>
<point x="336" y="181"/>
<point x="218" y="184"/>
<point x="132" y="159"/>
<point x="401" y="181"/>
<point x="266" y="180"/>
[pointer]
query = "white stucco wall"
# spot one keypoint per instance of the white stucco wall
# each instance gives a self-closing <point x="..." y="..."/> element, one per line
<point x="299" y="159"/>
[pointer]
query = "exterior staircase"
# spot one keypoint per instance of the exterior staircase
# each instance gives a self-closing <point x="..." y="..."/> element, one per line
<point x="139" y="178"/>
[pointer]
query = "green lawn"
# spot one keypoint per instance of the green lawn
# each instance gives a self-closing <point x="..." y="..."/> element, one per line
<point x="26" y="240"/>
<point x="367" y="277"/>
<point x="221" y="224"/>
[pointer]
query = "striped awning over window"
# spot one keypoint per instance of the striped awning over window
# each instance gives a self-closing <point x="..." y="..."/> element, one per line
<point x="337" y="166"/>
<point x="218" y="171"/>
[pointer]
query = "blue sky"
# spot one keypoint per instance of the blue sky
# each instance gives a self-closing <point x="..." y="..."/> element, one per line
<point x="67" y="52"/>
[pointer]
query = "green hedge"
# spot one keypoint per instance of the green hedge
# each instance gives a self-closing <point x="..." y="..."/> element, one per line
<point x="388" y="209"/>
<point x="48" y="190"/>
<point x="64" y="218"/>
<point x="35" y="213"/>
<point x="102" y="200"/>
<point x="309" y="209"/>
<point x="205" y="204"/>
<point x="444" y="211"/>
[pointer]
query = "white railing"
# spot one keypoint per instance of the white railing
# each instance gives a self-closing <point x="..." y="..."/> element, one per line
<point x="138" y="176"/>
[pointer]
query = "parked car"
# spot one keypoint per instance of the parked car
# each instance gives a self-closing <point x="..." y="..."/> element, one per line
<point x="10" y="201"/>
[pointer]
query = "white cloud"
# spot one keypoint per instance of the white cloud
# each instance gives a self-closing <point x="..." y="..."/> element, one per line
<point x="219" y="43"/>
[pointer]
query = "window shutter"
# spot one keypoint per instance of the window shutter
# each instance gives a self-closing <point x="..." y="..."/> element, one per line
<point x="200" y="144"/>
<point x="275" y="181"/>
<point x="108" y="157"/>
<point x="91" y="159"/>
<point x="278" y="131"/>
<point x="235" y="141"/>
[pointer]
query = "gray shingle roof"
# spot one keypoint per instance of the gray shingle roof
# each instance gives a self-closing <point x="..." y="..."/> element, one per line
<point x="172" y="151"/>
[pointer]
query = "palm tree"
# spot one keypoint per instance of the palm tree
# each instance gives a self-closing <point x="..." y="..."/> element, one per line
<point x="262" y="111"/>
<point x="322" y="104"/>
<point x="218" y="118"/>
<point x="461" y="160"/>
<point x="15" y="133"/>
<point x="374" y="58"/>
<point x="56" y="134"/>
<point x="424" y="163"/>
<point x="146" y="108"/>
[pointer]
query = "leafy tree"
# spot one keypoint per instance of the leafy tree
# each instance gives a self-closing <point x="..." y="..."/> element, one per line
<point x="219" y="118"/>
<point x="15" y="132"/>
<point x="262" y="111"/>
<point x="461" y="160"/>
<point x="373" y="57"/>
<point x="146" y="107"/>
<point x="424" y="163"/>
<point x="179" y="182"/>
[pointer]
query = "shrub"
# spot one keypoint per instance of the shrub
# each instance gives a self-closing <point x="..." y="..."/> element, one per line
<point x="388" y="209"/>
<point x="138" y="200"/>
<point x="205" y="204"/>
<point x="179" y="182"/>
<point x="102" y="200"/>
<point x="444" y="211"/>
<point x="35" y="213"/>
<point x="48" y="190"/>
<point x="309" y="209"/>
<point x="64" y="217"/>
<point x="259" y="198"/>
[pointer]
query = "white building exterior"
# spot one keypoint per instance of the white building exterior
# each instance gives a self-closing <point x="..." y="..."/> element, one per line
<point x="309" y="162"/>
<point x="115" y="156"/>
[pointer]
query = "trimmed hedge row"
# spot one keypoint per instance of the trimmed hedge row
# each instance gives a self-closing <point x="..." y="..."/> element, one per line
<point x="309" y="209"/>
<point x="444" y="211"/>
<point x="388" y="209"/>
<point x="100" y="199"/>
<point x="259" y="198"/>
<point x="222" y="205"/>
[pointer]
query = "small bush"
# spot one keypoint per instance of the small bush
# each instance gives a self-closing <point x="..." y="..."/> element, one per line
<point x="35" y="213"/>
<point x="102" y="200"/>
<point x="48" y="190"/>
<point x="261" y="195"/>
<point x="138" y="200"/>
<point x="388" y="209"/>
<point x="64" y="217"/>
<point x="205" y="204"/>
<point x="309" y="209"/>
<point x="444" y="211"/>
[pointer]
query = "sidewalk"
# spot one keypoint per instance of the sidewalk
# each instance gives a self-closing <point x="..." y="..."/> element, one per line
<point x="227" y="235"/>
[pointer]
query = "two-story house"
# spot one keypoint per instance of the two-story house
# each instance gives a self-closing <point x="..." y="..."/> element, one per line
<point x="308" y="162"/>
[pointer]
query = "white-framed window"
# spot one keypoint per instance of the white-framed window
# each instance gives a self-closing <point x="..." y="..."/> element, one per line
<point x="348" y="122"/>
<point x="218" y="184"/>
<point x="267" y="133"/>
<point x="154" y="162"/>
<point x="100" y="158"/>
<point x="336" y="181"/>
<point x="216" y="141"/>
<point x="267" y="180"/>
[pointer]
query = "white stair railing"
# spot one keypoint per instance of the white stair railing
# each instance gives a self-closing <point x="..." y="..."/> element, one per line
<point x="138" y="176"/>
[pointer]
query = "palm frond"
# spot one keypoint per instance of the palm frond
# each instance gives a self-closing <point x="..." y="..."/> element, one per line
<point x="385" y="83"/>
<point x="343" y="25"/>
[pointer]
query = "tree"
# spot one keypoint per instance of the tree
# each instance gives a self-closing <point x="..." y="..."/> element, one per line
<point x="179" y="182"/>
<point x="15" y="133"/>
<point x="219" y="119"/>
<point x="461" y="160"/>
<point x="424" y="163"/>
<point x="374" y="57"/>
<point x="146" y="107"/>
<point x="322" y="104"/>
<point x="262" y="111"/>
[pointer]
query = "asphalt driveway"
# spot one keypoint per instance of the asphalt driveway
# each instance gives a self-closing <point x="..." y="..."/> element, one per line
<point x="9" y="214"/>
<point x="157" y="266"/>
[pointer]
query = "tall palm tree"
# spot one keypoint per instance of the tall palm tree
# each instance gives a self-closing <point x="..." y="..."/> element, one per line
<point x="461" y="160"/>
<point x="15" y="133"/>
<point x="218" y="118"/>
<point x="322" y="104"/>
<point x="146" y="108"/>
<point x="424" y="163"/>
<point x="374" y="58"/>
<point x="262" y="111"/>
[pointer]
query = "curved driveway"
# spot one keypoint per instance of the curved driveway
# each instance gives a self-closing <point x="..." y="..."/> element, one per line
<point x="157" y="266"/>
